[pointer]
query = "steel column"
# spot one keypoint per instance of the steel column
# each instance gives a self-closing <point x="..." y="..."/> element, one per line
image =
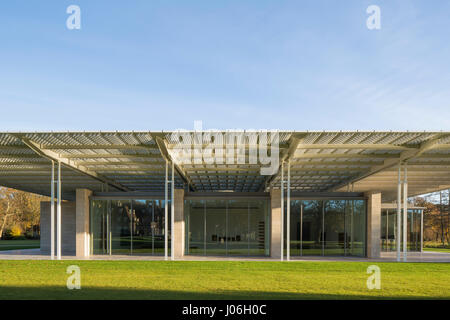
<point x="172" y="214"/>
<point x="282" y="213"/>
<point x="405" y="214"/>
<point x="351" y="222"/>
<point x="166" y="214"/>
<point x="52" y="213"/>
<point x="58" y="215"/>
<point x="288" y="214"/>
<point x="399" y="213"/>
<point x="421" y="230"/>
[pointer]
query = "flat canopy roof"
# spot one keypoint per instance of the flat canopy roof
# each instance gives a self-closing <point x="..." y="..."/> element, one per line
<point x="135" y="161"/>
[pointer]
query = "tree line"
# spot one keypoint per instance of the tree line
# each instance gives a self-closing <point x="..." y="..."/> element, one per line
<point x="19" y="214"/>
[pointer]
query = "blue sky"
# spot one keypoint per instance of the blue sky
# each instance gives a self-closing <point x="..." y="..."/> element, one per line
<point x="160" y="65"/>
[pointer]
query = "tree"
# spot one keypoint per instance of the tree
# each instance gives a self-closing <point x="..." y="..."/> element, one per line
<point x="6" y="206"/>
<point x="19" y="209"/>
<point x="436" y="216"/>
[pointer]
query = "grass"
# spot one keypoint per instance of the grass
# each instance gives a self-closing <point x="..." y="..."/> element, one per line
<point x="222" y="280"/>
<point x="435" y="246"/>
<point x="437" y="249"/>
<point x="19" y="244"/>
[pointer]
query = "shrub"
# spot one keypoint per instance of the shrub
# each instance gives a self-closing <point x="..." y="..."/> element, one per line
<point x="7" y="234"/>
<point x="435" y="244"/>
<point x="16" y="232"/>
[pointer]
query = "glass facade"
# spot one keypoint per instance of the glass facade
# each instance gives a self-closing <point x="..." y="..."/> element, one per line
<point x="128" y="227"/>
<point x="389" y="229"/>
<point x="224" y="226"/>
<point x="327" y="227"/>
<point x="227" y="227"/>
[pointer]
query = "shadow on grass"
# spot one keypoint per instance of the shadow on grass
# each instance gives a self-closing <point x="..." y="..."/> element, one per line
<point x="89" y="293"/>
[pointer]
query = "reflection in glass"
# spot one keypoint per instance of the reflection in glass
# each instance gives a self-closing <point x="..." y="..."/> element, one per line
<point x="335" y="235"/>
<point x="158" y="226"/>
<point x="121" y="224"/>
<point x="257" y="227"/>
<point x="216" y="227"/>
<point x="98" y="227"/>
<point x="358" y="228"/>
<point x="295" y="223"/>
<point x="238" y="237"/>
<point x="312" y="228"/>
<point x="195" y="227"/>
<point x="328" y="227"/>
<point x="389" y="229"/>
<point x="128" y="227"/>
<point x="227" y="227"/>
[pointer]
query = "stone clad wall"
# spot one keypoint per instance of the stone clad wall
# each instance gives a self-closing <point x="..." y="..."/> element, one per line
<point x="373" y="224"/>
<point x="275" y="224"/>
<point x="68" y="232"/>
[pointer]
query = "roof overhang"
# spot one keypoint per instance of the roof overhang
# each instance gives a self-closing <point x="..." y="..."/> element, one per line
<point x="135" y="161"/>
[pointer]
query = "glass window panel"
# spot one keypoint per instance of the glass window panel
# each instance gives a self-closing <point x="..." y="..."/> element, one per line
<point x="98" y="226"/>
<point x="334" y="234"/>
<point x="227" y="227"/>
<point x="142" y="227"/>
<point x="358" y="228"/>
<point x="216" y="227"/>
<point x="128" y="227"/>
<point x="418" y="217"/>
<point x="159" y="227"/>
<point x="195" y="224"/>
<point x="383" y="230"/>
<point x="413" y="230"/>
<point x="391" y="230"/>
<point x="294" y="233"/>
<point x="121" y="227"/>
<point x="257" y="227"/>
<point x="312" y="227"/>
<point x="238" y="235"/>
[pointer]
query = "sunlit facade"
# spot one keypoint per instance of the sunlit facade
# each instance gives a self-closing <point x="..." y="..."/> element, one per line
<point x="265" y="194"/>
<point x="228" y="226"/>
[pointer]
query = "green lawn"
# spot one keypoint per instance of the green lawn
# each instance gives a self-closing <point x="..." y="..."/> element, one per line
<point x="437" y="249"/>
<point x="222" y="280"/>
<point x="18" y="244"/>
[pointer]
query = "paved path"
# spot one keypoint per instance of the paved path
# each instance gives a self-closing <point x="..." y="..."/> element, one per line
<point x="35" y="254"/>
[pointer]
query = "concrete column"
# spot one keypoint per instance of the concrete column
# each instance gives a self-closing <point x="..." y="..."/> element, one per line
<point x="82" y="223"/>
<point x="373" y="224"/>
<point x="178" y="237"/>
<point x="275" y="224"/>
